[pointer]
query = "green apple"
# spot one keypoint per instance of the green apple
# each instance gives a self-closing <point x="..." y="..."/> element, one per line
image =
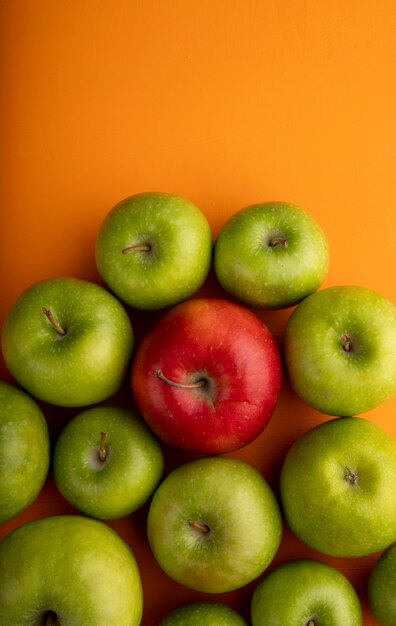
<point x="214" y="524"/>
<point x="68" y="342"/>
<point x="382" y="588"/>
<point x="204" y="614"/>
<point x="271" y="255"/>
<point x="337" y="487"/>
<point x="68" y="570"/>
<point x="24" y="451"/>
<point x="154" y="250"/>
<point x="340" y="350"/>
<point x="107" y="463"/>
<point x="305" y="593"/>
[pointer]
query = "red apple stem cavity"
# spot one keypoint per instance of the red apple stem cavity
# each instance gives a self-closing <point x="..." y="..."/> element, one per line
<point x="199" y="383"/>
<point x="102" y="448"/>
<point x="138" y="248"/>
<point x="199" y="526"/>
<point x="52" y="319"/>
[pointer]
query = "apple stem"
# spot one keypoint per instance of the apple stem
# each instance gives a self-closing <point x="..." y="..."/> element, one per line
<point x="200" y="526"/>
<point x="351" y="476"/>
<point x="311" y="623"/>
<point x="50" y="619"/>
<point x="277" y="241"/>
<point x="138" y="248"/>
<point x="50" y="317"/>
<point x="172" y="383"/>
<point x="102" y="449"/>
<point x="346" y="342"/>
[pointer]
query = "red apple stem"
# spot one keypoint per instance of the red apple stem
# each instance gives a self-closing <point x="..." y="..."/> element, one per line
<point x="278" y="241"/>
<point x="51" y="318"/>
<point x="199" y="526"/>
<point x="138" y="248"/>
<point x="102" y="448"/>
<point x="199" y="383"/>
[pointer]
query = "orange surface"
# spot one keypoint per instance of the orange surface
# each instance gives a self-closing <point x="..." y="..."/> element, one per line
<point x="227" y="102"/>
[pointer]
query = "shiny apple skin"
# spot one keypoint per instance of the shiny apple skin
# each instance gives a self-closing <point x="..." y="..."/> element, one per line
<point x="230" y="348"/>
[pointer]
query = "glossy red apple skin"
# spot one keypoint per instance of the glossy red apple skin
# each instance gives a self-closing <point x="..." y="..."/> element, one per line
<point x="230" y="348"/>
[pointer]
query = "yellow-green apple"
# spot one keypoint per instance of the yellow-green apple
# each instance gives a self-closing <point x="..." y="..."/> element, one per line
<point x="305" y="592"/>
<point x="271" y="255"/>
<point x="68" y="570"/>
<point x="382" y="587"/>
<point x="154" y="250"/>
<point x="68" y="342"/>
<point x="214" y="524"/>
<point x="340" y="350"/>
<point x="337" y="487"/>
<point x="106" y="462"/>
<point x="24" y="451"/>
<point x="203" y="613"/>
<point x="207" y="377"/>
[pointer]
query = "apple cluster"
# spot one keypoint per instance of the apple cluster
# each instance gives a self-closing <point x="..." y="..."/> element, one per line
<point x="205" y="379"/>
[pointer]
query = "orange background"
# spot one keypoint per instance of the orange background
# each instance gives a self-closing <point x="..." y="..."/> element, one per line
<point x="226" y="102"/>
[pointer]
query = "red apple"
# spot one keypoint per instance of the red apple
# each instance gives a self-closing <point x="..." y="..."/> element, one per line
<point x="208" y="376"/>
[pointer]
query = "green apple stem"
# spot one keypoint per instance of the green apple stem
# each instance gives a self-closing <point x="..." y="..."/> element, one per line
<point x="199" y="383"/>
<point x="278" y="241"/>
<point x="50" y="619"/>
<point x="50" y="317"/>
<point x="351" y="476"/>
<point x="138" y="248"/>
<point x="199" y="526"/>
<point x="346" y="342"/>
<point x="102" y="448"/>
<point x="311" y="623"/>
